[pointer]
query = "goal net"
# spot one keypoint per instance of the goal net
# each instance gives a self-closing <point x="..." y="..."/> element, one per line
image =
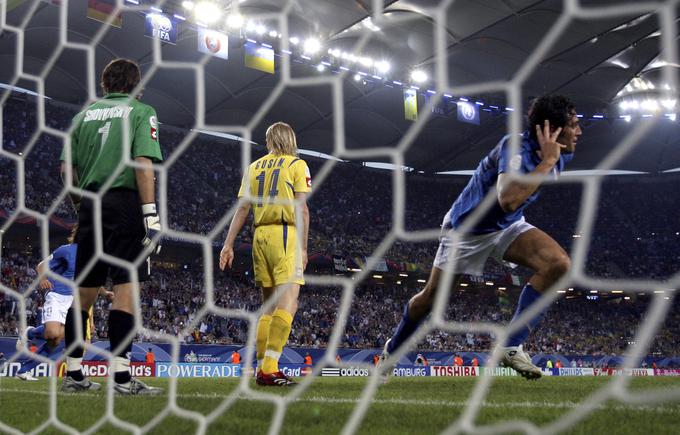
<point x="362" y="219"/>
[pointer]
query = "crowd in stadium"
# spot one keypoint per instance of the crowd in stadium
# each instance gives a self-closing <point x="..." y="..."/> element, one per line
<point x="173" y="298"/>
<point x="351" y="212"/>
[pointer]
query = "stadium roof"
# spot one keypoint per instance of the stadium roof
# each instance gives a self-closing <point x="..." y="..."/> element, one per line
<point x="489" y="41"/>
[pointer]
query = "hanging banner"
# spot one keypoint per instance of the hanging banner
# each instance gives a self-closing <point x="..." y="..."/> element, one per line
<point x="161" y="27"/>
<point x="468" y="112"/>
<point x="101" y="10"/>
<point x="410" y="104"/>
<point x="380" y="265"/>
<point x="259" y="58"/>
<point x="213" y="42"/>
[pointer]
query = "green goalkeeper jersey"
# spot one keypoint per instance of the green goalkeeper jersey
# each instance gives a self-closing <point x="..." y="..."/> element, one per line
<point x="98" y="142"/>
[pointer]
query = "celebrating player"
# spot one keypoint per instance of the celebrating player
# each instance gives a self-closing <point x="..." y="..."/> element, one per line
<point x="58" y="300"/>
<point x="128" y="220"/>
<point x="502" y="232"/>
<point x="279" y="178"/>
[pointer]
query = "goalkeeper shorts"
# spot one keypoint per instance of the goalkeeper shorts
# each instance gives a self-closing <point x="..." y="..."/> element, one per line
<point x="276" y="256"/>
<point x="122" y="227"/>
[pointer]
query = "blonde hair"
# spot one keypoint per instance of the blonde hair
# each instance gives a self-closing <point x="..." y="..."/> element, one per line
<point x="281" y="139"/>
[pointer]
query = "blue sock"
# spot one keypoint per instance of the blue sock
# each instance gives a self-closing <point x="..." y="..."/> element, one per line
<point x="30" y="363"/>
<point x="528" y="296"/>
<point x="404" y="330"/>
<point x="52" y="353"/>
<point x="36" y="333"/>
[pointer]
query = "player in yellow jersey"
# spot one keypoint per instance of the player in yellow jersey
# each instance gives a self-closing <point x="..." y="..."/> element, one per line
<point x="276" y="186"/>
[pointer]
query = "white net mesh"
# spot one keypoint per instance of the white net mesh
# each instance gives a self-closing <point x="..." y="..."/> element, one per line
<point x="616" y="389"/>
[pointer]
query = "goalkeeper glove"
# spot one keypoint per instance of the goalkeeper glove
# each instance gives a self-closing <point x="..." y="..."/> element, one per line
<point x="152" y="226"/>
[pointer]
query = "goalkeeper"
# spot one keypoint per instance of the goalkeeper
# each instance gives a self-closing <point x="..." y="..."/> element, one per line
<point x="128" y="219"/>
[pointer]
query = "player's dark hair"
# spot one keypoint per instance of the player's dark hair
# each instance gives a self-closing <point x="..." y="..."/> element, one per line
<point x="121" y="76"/>
<point x="557" y="109"/>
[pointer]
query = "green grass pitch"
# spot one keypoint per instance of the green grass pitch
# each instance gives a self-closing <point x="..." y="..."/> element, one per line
<point x="404" y="405"/>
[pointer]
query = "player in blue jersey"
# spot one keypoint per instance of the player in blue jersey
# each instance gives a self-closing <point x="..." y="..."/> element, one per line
<point x="58" y="299"/>
<point x="502" y="233"/>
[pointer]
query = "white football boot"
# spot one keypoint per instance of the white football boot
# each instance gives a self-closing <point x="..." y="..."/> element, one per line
<point x="26" y="376"/>
<point x="384" y="376"/>
<point x="519" y="360"/>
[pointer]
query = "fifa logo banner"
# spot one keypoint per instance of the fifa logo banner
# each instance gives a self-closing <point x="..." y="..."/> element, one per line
<point x="259" y="58"/>
<point x="161" y="27"/>
<point x="410" y="104"/>
<point x="213" y="42"/>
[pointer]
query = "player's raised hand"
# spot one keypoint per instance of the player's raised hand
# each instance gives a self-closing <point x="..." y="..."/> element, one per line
<point x="45" y="284"/>
<point x="550" y="148"/>
<point x="226" y="257"/>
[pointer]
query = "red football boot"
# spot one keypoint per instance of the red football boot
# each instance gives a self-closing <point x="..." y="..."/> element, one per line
<point x="277" y="379"/>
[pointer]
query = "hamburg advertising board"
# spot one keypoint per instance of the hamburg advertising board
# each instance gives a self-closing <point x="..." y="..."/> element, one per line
<point x="410" y="371"/>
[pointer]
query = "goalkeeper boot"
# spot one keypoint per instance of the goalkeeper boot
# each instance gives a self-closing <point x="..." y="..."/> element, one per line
<point x="136" y="388"/>
<point x="70" y="385"/>
<point x="516" y="358"/>
<point x="382" y="364"/>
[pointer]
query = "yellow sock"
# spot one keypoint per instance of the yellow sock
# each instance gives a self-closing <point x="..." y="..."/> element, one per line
<point x="262" y="335"/>
<point x="279" y="330"/>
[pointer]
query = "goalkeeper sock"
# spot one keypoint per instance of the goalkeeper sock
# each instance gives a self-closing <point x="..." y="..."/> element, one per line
<point x="262" y="335"/>
<point x="279" y="330"/>
<point x="120" y="326"/>
<point x="404" y="330"/>
<point x="75" y="357"/>
<point x="36" y="333"/>
<point x="528" y="296"/>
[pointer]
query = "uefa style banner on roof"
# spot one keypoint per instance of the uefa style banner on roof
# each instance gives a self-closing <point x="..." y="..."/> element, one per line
<point x="468" y="112"/>
<point x="213" y="42"/>
<point x="161" y="26"/>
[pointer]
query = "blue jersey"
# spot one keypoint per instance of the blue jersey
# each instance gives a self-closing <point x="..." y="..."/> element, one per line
<point x="63" y="262"/>
<point x="485" y="178"/>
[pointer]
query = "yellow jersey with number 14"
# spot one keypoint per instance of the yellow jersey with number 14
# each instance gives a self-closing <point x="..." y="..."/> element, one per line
<point x="273" y="182"/>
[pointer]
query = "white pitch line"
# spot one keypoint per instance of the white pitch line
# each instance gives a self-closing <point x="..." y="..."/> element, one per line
<point x="670" y="409"/>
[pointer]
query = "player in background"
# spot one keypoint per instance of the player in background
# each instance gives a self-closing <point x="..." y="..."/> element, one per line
<point x="545" y="147"/>
<point x="279" y="252"/>
<point x="58" y="299"/>
<point x="128" y="220"/>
